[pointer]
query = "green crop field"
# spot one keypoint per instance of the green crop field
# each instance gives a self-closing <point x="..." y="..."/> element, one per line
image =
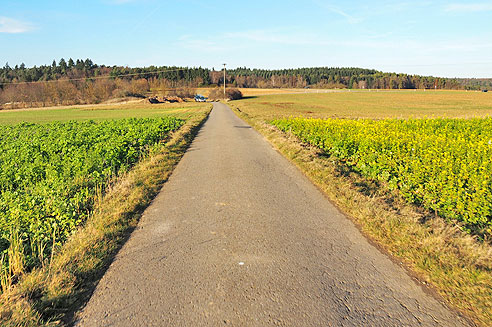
<point x="50" y="174"/>
<point x="56" y="163"/>
<point x="101" y="112"/>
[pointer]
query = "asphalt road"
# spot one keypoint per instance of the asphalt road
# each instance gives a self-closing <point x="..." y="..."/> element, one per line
<point x="238" y="236"/>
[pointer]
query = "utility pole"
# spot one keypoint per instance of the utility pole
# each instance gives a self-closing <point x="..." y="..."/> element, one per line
<point x="224" y="80"/>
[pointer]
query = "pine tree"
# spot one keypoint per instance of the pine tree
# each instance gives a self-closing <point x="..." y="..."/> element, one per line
<point x="63" y="65"/>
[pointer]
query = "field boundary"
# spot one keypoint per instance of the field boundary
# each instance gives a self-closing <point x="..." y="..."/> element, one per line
<point x="51" y="295"/>
<point x="448" y="263"/>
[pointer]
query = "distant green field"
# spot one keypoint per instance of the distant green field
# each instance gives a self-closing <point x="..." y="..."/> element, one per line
<point x="100" y="112"/>
<point x="372" y="105"/>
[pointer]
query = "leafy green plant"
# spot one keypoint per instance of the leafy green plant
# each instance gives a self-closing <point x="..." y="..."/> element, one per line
<point x="52" y="174"/>
<point x="444" y="165"/>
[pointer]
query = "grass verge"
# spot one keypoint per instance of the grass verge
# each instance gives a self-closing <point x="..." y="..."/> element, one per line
<point x="49" y="296"/>
<point x="451" y="264"/>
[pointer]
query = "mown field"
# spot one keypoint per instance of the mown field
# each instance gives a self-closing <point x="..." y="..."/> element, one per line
<point x="72" y="182"/>
<point x="370" y="104"/>
<point x="411" y="168"/>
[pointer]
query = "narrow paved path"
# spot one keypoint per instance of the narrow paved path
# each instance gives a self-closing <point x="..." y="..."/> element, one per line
<point x="239" y="236"/>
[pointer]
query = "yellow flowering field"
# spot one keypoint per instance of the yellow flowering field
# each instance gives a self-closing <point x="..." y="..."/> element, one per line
<point x="444" y="165"/>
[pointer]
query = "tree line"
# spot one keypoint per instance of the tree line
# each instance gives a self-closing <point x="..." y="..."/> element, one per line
<point x="351" y="78"/>
<point x="82" y="81"/>
<point x="80" y="69"/>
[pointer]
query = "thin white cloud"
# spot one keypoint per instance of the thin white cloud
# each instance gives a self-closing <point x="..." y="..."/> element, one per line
<point x="202" y="44"/>
<point x="469" y="7"/>
<point x="251" y="38"/>
<point x="121" y="2"/>
<point x="244" y="39"/>
<point x="448" y="57"/>
<point x="272" y="36"/>
<point x="14" y="26"/>
<point x="350" y="19"/>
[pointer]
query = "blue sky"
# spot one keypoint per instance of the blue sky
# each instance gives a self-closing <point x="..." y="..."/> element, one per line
<point x="440" y="38"/>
